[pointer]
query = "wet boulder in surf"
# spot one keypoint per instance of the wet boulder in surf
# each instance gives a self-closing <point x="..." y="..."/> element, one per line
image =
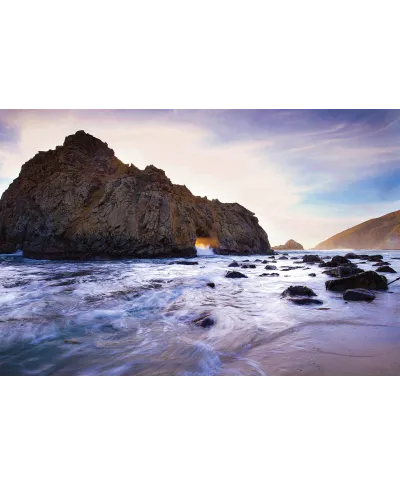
<point x="343" y="271"/>
<point x="386" y="269"/>
<point x="298" y="291"/>
<point x="352" y="256"/>
<point x="205" y="321"/>
<point x="340" y="260"/>
<point x="358" y="294"/>
<point x="301" y="295"/>
<point x="235" y="274"/>
<point x="306" y="301"/>
<point x="311" y="258"/>
<point x="368" y="280"/>
<point x="328" y="264"/>
<point x="375" y="257"/>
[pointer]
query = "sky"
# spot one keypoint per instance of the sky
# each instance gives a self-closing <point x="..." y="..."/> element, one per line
<point x="306" y="174"/>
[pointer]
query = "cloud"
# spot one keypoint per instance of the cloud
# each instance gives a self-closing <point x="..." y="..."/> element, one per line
<point x="272" y="162"/>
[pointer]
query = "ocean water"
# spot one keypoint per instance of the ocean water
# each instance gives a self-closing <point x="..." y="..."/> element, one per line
<point x="135" y="317"/>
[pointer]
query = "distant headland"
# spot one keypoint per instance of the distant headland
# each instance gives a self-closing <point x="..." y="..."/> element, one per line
<point x="380" y="233"/>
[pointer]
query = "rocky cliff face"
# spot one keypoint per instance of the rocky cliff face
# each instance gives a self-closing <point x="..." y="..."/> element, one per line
<point x="79" y="201"/>
<point x="380" y="233"/>
<point x="291" y="244"/>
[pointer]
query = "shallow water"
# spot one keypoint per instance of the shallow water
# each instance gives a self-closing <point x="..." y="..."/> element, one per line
<point x="135" y="317"/>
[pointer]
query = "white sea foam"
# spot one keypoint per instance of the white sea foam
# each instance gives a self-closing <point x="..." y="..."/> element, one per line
<point x="136" y="316"/>
<point x="204" y="251"/>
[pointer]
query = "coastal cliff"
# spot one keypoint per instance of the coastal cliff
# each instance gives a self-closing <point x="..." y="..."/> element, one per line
<point x="79" y="201"/>
<point x="380" y="233"/>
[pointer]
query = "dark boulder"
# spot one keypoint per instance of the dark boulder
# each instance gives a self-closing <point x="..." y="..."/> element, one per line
<point x="269" y="274"/>
<point x="343" y="271"/>
<point x="368" y="280"/>
<point x="283" y="257"/>
<point x="205" y="321"/>
<point x="352" y="256"/>
<point x="340" y="260"/>
<point x="270" y="267"/>
<point x="234" y="264"/>
<point x="311" y="258"/>
<point x="251" y="266"/>
<point x="386" y="269"/>
<point x="235" y="274"/>
<point x="211" y="284"/>
<point x="358" y="294"/>
<point x="312" y="275"/>
<point x="328" y="264"/>
<point x="306" y="301"/>
<point x="381" y="263"/>
<point x="375" y="257"/>
<point x="298" y="291"/>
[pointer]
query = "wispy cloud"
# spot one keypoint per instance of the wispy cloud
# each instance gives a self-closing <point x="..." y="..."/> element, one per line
<point x="292" y="168"/>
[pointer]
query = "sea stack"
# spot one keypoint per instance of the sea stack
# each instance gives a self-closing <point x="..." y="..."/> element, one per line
<point x="289" y="245"/>
<point x="79" y="201"/>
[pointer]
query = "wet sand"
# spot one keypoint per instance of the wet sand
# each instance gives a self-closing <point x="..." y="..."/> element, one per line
<point x="332" y="348"/>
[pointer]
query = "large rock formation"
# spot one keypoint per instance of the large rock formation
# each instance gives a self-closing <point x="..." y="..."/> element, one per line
<point x="79" y="201"/>
<point x="380" y="233"/>
<point x="291" y="244"/>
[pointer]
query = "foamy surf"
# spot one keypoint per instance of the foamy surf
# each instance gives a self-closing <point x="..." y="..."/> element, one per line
<point x="137" y="317"/>
<point x="205" y="251"/>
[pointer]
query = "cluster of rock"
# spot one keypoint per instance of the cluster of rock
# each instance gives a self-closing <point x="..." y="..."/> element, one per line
<point x="80" y="201"/>
<point x="354" y="283"/>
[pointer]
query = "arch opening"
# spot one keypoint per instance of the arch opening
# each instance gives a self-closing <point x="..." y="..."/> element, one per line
<point x="205" y="243"/>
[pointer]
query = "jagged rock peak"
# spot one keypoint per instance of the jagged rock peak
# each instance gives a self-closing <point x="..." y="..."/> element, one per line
<point x="87" y="144"/>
